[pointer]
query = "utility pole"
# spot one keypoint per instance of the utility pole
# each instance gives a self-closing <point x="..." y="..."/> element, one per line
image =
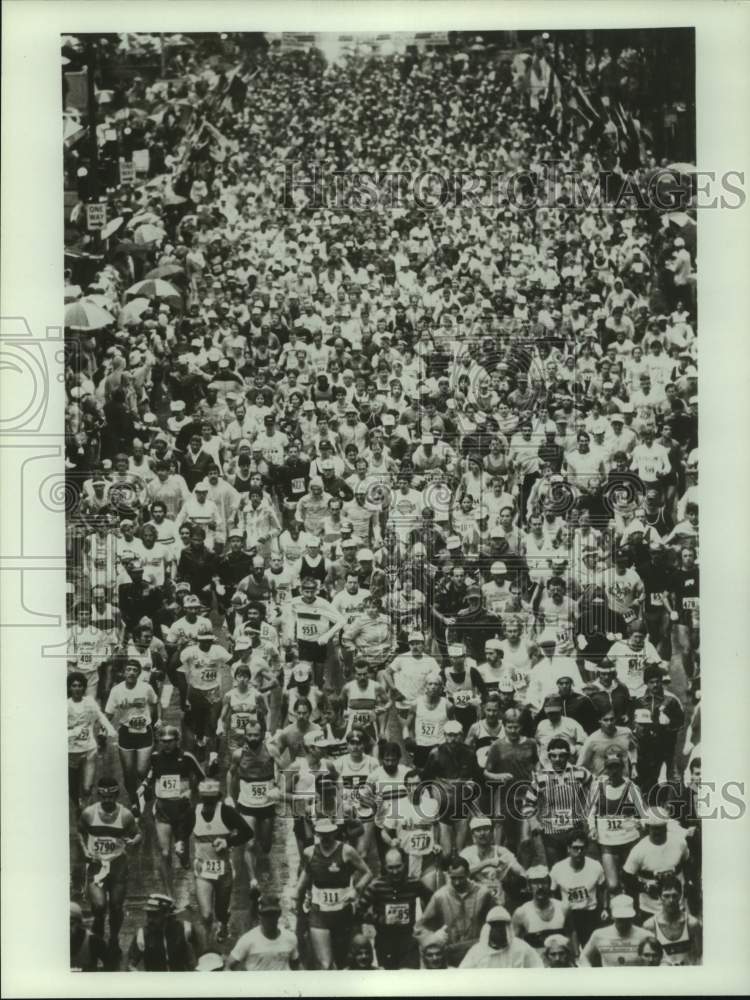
<point x="92" y="116"/>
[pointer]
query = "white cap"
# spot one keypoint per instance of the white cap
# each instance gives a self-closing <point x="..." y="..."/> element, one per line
<point x="451" y="726"/>
<point x="415" y="636"/>
<point x="498" y="914"/>
<point x="621" y="907"/>
<point x="480" y="822"/>
<point x="365" y="554"/>
<point x="537" y="873"/>
<point x="499" y="568"/>
<point x="656" y="817"/>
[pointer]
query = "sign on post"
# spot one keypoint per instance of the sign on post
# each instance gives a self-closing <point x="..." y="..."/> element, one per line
<point x="141" y="161"/>
<point x="96" y="215"/>
<point x="127" y="172"/>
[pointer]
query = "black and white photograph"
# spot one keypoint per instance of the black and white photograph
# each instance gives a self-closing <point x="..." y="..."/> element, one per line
<point x="382" y="465"/>
<point x="367" y="424"/>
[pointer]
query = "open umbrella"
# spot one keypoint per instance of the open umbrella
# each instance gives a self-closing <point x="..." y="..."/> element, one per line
<point x="144" y="219"/>
<point x="86" y="316"/>
<point x="166" y="271"/>
<point x="170" y="198"/>
<point x="153" y="288"/>
<point x="148" y="233"/>
<point x="131" y="313"/>
<point x="111" y="227"/>
<point x="102" y="301"/>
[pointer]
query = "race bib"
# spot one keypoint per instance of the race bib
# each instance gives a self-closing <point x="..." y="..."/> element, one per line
<point x="420" y="842"/>
<point x="427" y="728"/>
<point x="298" y="486"/>
<point x="138" y="724"/>
<point x="579" y="895"/>
<point x="211" y="868"/>
<point x="208" y="675"/>
<point x="628" y="615"/>
<point x="168" y="786"/>
<point x="614" y="825"/>
<point x="240" y="721"/>
<point x="82" y="735"/>
<point x="329" y="900"/>
<point x="86" y="658"/>
<point x="562" y="819"/>
<point x="309" y="631"/>
<point x="103" y="847"/>
<point x="361" y="718"/>
<point x="462" y="698"/>
<point x="634" y="666"/>
<point x="258" y="790"/>
<point x="690" y="603"/>
<point x="657" y="601"/>
<point x="397" y="913"/>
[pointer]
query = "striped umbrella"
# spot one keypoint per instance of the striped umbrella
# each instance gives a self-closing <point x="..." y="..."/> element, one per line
<point x="155" y="288"/>
<point x="131" y="313"/>
<point x="85" y="315"/>
<point x="148" y="233"/>
<point x="166" y="271"/>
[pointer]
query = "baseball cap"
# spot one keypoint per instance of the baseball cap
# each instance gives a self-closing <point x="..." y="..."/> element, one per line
<point x="269" y="904"/>
<point x="325" y="825"/>
<point x="159" y="902"/>
<point x="617" y="418"/>
<point x="201" y="487"/>
<point x="364" y="555"/>
<point x="480" y="822"/>
<point x="493" y="644"/>
<point x="621" y="907"/>
<point x="415" y="636"/>
<point x="191" y="601"/>
<point x="656" y="817"/>
<point x="209" y="786"/>
<point x="452" y="726"/>
<point x="537" y="872"/>
<point x="210" y="962"/>
<point x="498" y="914"/>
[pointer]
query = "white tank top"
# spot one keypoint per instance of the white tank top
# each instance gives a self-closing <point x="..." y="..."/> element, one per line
<point x="430" y="722"/>
<point x="675" y="952"/>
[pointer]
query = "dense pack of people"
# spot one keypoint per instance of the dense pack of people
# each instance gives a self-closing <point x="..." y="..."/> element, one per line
<point x="383" y="535"/>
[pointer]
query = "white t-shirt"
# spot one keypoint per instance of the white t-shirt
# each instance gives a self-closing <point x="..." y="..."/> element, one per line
<point x="577" y="888"/>
<point x="259" y="953"/>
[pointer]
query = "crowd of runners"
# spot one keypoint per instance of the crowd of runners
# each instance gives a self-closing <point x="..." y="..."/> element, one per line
<point x="383" y="549"/>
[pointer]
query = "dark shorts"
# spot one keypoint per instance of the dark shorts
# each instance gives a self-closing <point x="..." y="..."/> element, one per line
<point x="265" y="812"/>
<point x="339" y="921"/>
<point x="312" y="652"/>
<point x="171" y="811"/>
<point x="118" y="873"/>
<point x="135" y="741"/>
